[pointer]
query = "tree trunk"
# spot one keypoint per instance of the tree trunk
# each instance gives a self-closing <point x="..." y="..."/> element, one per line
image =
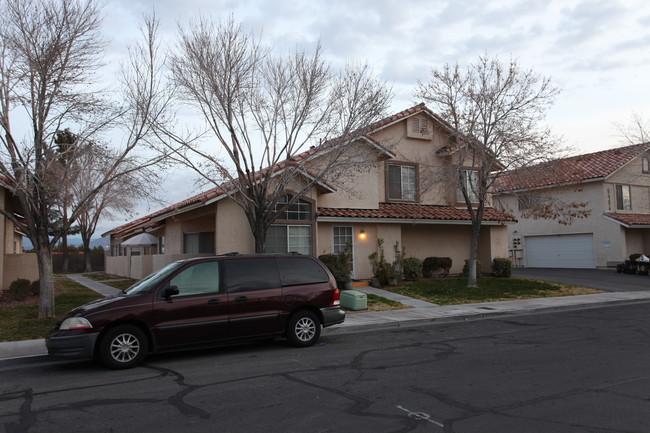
<point x="65" y="267"/>
<point x="260" y="238"/>
<point x="46" y="297"/>
<point x="64" y="244"/>
<point x="89" y="265"/>
<point x="473" y="254"/>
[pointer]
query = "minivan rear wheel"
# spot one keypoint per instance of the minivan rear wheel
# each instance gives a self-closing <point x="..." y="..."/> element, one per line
<point x="304" y="329"/>
<point x="123" y="347"/>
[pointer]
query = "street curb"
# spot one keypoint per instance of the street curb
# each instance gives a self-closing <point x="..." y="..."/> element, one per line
<point x="413" y="317"/>
<point x="480" y="311"/>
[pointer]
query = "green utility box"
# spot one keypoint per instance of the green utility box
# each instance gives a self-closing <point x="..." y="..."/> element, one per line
<point x="353" y="300"/>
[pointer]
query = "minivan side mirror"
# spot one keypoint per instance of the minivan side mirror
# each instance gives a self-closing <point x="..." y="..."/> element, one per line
<point x="171" y="291"/>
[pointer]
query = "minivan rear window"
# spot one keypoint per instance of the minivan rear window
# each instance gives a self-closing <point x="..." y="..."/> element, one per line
<point x="297" y="271"/>
<point x="247" y="274"/>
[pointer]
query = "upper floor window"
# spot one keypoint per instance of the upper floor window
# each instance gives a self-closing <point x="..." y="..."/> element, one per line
<point x="469" y="180"/>
<point x="402" y="182"/>
<point x="645" y="164"/>
<point x="623" y="197"/>
<point x="298" y="211"/>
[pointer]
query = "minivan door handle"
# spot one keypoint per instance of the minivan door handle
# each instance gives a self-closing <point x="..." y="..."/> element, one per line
<point x="214" y="301"/>
<point x="241" y="299"/>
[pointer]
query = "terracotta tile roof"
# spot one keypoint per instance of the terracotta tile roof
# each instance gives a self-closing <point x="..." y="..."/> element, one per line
<point x="141" y="223"/>
<point x="412" y="212"/>
<point x="575" y="169"/>
<point x="630" y="219"/>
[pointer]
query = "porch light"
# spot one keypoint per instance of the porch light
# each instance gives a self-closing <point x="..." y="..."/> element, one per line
<point x="362" y="234"/>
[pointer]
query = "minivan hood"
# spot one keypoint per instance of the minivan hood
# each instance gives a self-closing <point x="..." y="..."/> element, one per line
<point x="94" y="305"/>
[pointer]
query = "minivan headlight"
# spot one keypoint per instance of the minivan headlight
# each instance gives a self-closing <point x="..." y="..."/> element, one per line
<point x="75" y="323"/>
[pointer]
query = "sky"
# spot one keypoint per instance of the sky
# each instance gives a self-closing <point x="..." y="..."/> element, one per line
<point x="597" y="52"/>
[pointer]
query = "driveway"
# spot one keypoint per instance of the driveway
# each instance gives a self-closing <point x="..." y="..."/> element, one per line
<point x="602" y="279"/>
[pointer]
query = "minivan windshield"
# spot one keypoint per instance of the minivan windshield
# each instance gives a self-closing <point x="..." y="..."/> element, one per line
<point x="153" y="279"/>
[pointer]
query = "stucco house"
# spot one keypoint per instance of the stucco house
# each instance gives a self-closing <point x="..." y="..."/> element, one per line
<point x="613" y="186"/>
<point x="14" y="263"/>
<point x="392" y="199"/>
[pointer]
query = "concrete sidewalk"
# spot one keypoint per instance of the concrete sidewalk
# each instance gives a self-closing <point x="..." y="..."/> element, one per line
<point x="421" y="313"/>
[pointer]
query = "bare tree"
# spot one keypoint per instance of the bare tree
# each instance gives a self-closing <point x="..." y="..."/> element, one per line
<point x="497" y="109"/>
<point x="86" y="163"/>
<point x="50" y="51"/>
<point x="636" y="130"/>
<point x="262" y="111"/>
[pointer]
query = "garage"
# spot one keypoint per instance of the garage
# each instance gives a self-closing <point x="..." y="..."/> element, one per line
<point x="560" y="251"/>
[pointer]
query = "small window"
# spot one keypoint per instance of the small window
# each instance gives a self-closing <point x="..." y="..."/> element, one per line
<point x="245" y="275"/>
<point x="402" y="182"/>
<point x="419" y="127"/>
<point x="199" y="279"/>
<point x="198" y="243"/>
<point x="645" y="164"/>
<point x="300" y="271"/>
<point x="623" y="197"/>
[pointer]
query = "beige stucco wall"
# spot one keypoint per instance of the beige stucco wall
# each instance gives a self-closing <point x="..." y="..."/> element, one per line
<point x="419" y="240"/>
<point x="233" y="231"/>
<point x="19" y="266"/>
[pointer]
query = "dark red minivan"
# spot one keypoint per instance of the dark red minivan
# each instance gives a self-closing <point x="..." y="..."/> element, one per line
<point x="204" y="302"/>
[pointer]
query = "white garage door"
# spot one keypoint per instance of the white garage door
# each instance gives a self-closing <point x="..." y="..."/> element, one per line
<point x="560" y="251"/>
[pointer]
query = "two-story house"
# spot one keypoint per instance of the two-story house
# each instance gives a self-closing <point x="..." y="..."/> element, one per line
<point x="394" y="197"/>
<point x="612" y="185"/>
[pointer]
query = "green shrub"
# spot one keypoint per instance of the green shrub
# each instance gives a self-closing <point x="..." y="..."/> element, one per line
<point x="412" y="268"/>
<point x="432" y="264"/>
<point x="502" y="268"/>
<point x="35" y="288"/>
<point x="339" y="266"/>
<point x="19" y="289"/>
<point x="466" y="268"/>
<point x="381" y="269"/>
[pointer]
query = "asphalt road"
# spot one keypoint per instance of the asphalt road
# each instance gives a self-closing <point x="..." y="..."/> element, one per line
<point x="572" y="372"/>
<point x="602" y="279"/>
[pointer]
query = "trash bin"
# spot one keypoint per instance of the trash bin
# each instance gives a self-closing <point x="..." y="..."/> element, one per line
<point x="353" y="300"/>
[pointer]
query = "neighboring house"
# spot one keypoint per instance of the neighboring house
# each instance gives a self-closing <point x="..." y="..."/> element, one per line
<point x="14" y="263"/>
<point x="392" y="198"/>
<point x="613" y="185"/>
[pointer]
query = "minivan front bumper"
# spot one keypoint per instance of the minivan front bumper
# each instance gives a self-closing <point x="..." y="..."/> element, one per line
<point x="332" y="316"/>
<point x="72" y="346"/>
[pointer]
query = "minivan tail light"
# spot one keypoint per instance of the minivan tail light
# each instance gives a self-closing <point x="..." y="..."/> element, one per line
<point x="337" y="298"/>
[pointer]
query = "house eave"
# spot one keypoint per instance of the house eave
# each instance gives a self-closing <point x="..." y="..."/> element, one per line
<point x="541" y="187"/>
<point x="407" y="221"/>
<point x="627" y="226"/>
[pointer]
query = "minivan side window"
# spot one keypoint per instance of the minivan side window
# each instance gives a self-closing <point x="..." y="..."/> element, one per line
<point x="298" y="271"/>
<point x="201" y="278"/>
<point x="248" y="274"/>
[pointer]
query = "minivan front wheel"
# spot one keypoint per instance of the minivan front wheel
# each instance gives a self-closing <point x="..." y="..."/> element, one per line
<point x="123" y="347"/>
<point x="304" y="329"/>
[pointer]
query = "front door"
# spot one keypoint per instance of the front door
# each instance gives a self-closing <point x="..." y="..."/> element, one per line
<point x="198" y="314"/>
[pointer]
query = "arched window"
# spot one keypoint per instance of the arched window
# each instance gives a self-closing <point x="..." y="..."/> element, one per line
<point x="645" y="164"/>
<point x="298" y="211"/>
